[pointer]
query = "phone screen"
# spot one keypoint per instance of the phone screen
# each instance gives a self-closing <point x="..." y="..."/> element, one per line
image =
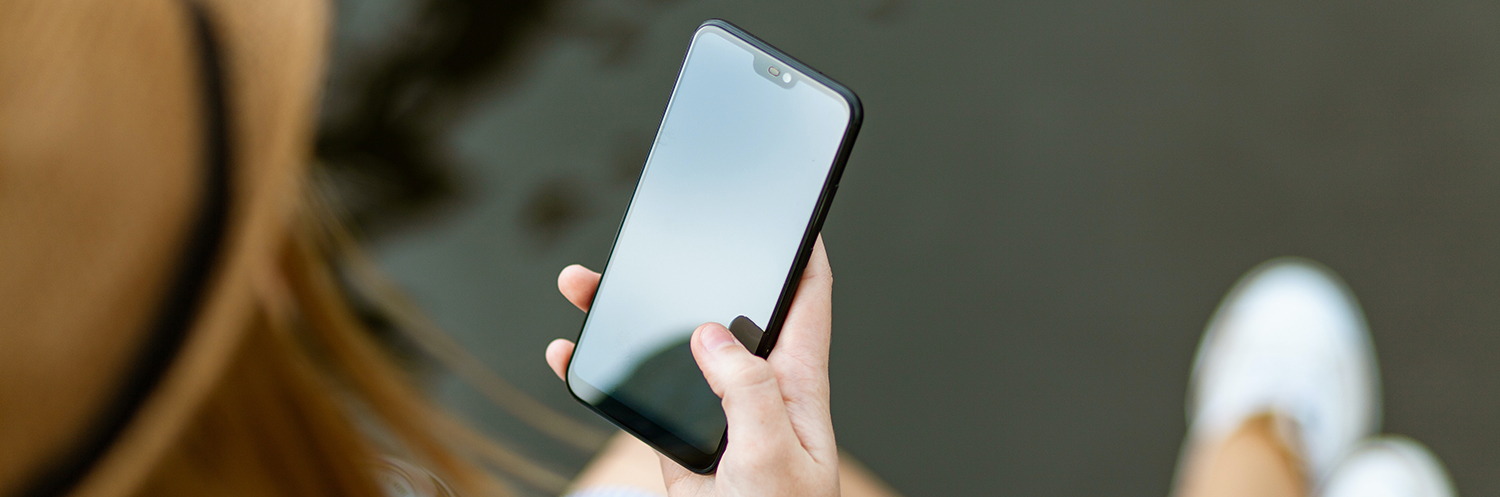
<point x="747" y="147"/>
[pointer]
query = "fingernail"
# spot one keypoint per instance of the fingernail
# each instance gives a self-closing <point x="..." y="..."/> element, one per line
<point x="716" y="337"/>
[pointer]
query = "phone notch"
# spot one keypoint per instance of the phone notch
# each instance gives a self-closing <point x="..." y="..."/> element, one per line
<point x="775" y="71"/>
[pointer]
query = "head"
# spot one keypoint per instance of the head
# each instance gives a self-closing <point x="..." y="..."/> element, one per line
<point x="170" y="317"/>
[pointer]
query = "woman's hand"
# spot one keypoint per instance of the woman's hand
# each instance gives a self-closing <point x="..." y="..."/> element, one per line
<point x="780" y="433"/>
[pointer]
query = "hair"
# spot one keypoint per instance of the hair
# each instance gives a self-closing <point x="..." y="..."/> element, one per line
<point x="294" y="410"/>
<point x="280" y="387"/>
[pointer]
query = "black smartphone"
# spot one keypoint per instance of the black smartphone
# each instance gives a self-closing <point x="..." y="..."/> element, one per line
<point x="734" y="192"/>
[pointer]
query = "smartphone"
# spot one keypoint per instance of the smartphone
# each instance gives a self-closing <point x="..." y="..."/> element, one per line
<point x="741" y="175"/>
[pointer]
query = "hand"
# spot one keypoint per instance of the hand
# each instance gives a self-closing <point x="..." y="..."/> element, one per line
<point x="780" y="433"/>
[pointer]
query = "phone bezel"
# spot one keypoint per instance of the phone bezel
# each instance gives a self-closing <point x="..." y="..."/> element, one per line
<point x="627" y="419"/>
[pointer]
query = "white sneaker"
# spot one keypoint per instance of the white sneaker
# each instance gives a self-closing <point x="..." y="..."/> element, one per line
<point x="1389" y="467"/>
<point x="1289" y="339"/>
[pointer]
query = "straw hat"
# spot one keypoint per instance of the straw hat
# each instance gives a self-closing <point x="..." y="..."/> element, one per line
<point x="125" y="261"/>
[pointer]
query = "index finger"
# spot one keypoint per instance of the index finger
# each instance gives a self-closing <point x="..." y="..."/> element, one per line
<point x="805" y="335"/>
<point x="800" y="357"/>
<point x="578" y="284"/>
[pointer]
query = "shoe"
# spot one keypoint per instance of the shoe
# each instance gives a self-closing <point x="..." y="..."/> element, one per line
<point x="1389" y="467"/>
<point x="1289" y="340"/>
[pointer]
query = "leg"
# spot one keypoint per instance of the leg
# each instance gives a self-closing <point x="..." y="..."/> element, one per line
<point x="626" y="462"/>
<point x="855" y="480"/>
<point x="1252" y="462"/>
<point x="1284" y="385"/>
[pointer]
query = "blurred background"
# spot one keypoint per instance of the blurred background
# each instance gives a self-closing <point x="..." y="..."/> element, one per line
<point x="1047" y="201"/>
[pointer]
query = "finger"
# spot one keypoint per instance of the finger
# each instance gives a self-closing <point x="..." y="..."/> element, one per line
<point x="805" y="334"/>
<point x="758" y="423"/>
<point x="800" y="358"/>
<point x="559" y="352"/>
<point x="578" y="284"/>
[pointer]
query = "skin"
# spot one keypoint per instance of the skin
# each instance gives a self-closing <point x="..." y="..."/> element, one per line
<point x="1255" y="461"/>
<point x="780" y="432"/>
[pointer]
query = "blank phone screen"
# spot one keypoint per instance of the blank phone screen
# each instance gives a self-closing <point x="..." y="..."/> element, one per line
<point x="723" y="205"/>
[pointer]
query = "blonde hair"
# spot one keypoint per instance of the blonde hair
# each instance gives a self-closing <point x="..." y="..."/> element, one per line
<point x="278" y="388"/>
<point x="285" y="419"/>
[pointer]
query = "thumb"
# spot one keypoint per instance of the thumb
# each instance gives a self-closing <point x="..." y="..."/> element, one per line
<point x="752" y="400"/>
